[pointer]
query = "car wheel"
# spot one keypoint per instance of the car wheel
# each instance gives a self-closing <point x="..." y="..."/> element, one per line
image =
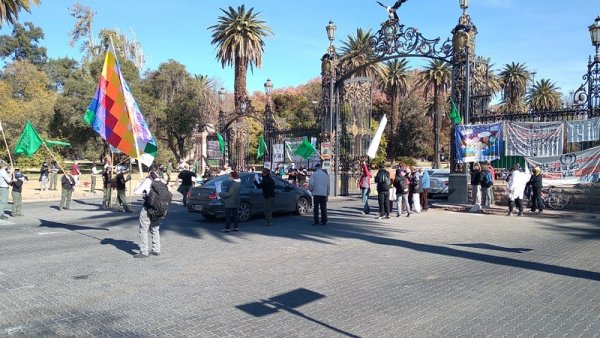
<point x="302" y="206"/>
<point x="244" y="212"/>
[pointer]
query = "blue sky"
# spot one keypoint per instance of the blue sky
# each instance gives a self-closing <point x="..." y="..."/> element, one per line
<point x="550" y="36"/>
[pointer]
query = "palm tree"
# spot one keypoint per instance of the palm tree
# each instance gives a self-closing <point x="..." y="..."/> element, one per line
<point x="9" y="9"/>
<point x="358" y="51"/>
<point x="239" y="36"/>
<point x="544" y="96"/>
<point x="394" y="80"/>
<point x="436" y="78"/>
<point x="514" y="79"/>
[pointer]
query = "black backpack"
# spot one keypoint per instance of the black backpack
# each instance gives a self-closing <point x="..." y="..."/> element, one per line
<point x="158" y="201"/>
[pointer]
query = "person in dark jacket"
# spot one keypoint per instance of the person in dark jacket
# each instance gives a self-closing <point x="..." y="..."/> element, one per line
<point x="231" y="199"/>
<point x="476" y="178"/>
<point x="536" y="186"/>
<point x="382" y="179"/>
<point x="17" y="185"/>
<point x="402" y="185"/>
<point x="121" y="189"/>
<point x="267" y="184"/>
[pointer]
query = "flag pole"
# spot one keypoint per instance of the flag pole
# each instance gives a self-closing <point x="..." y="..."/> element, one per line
<point x="8" y="151"/>
<point x="137" y="150"/>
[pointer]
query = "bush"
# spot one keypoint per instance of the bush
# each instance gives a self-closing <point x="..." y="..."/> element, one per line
<point x="406" y="161"/>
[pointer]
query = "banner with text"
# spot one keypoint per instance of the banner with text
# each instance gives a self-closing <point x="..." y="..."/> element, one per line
<point x="539" y="139"/>
<point x="478" y="143"/>
<point x="212" y="150"/>
<point x="579" y="167"/>
<point x="583" y="130"/>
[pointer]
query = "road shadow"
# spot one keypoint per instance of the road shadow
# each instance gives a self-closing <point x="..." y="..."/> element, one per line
<point x="578" y="231"/>
<point x="123" y="245"/>
<point x="70" y="227"/>
<point x="288" y="302"/>
<point x="492" y="247"/>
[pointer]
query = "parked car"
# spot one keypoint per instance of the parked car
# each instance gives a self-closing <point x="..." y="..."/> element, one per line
<point x="288" y="198"/>
<point x="439" y="183"/>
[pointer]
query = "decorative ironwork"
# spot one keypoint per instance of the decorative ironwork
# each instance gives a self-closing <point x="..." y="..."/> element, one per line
<point x="587" y="96"/>
<point x="394" y="38"/>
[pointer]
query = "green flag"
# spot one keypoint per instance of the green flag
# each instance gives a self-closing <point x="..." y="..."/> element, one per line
<point x="52" y="144"/>
<point x="29" y="142"/>
<point x="454" y="114"/>
<point x="221" y="143"/>
<point x="305" y="150"/>
<point x="262" y="147"/>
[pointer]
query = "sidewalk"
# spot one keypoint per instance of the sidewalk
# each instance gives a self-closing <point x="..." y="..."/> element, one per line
<point x="503" y="211"/>
<point x="32" y="193"/>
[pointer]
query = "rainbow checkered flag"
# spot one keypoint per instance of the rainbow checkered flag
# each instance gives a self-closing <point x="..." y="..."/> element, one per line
<point x="114" y="114"/>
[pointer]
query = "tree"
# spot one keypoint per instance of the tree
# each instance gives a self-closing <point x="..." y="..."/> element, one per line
<point x="514" y="79"/>
<point x="9" y="9"/>
<point x="24" y="95"/>
<point x="23" y="44"/>
<point x="83" y="29"/>
<point x="436" y="78"/>
<point x="544" y="96"/>
<point x="239" y="36"/>
<point x="394" y="80"/>
<point x="358" y="51"/>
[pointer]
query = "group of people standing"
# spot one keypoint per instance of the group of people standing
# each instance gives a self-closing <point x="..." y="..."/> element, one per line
<point x="408" y="188"/>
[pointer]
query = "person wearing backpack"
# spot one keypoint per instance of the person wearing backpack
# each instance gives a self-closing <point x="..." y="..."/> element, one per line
<point x="486" y="187"/>
<point x="157" y="199"/>
<point x="382" y="179"/>
<point x="402" y="189"/>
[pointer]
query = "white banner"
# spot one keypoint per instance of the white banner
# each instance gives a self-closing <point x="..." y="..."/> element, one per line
<point x="583" y="130"/>
<point x="572" y="168"/>
<point x="536" y="139"/>
<point x="278" y="153"/>
<point x="374" y="146"/>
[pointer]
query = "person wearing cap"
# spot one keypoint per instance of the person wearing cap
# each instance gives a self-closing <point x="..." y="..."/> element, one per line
<point x="107" y="186"/>
<point x="146" y="224"/>
<point x="17" y="185"/>
<point x="68" y="184"/>
<point x="231" y="199"/>
<point x="121" y="188"/>
<point x="267" y="184"/>
<point x="4" y="182"/>
<point x="319" y="188"/>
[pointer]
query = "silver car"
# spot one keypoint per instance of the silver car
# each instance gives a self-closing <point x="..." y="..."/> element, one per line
<point x="288" y="198"/>
<point x="439" y="183"/>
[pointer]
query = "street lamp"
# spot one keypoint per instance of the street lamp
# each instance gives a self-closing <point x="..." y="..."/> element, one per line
<point x="330" y="28"/>
<point x="464" y="4"/>
<point x="268" y="118"/>
<point x="595" y="32"/>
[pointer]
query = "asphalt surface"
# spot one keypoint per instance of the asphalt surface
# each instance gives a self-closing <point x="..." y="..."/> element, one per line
<point x="440" y="273"/>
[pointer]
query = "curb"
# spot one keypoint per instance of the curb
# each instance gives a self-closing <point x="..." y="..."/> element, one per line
<point x="502" y="212"/>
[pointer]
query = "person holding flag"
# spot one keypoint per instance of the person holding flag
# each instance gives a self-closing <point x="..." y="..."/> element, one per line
<point x="68" y="185"/>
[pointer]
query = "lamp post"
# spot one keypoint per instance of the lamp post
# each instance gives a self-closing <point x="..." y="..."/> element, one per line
<point x="268" y="119"/>
<point x="221" y="93"/>
<point x="328" y="69"/>
<point x="587" y="97"/>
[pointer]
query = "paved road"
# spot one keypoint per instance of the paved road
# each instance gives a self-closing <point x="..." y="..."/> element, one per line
<point x="440" y="273"/>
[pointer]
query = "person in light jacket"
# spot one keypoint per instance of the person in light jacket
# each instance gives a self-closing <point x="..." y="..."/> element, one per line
<point x="425" y="185"/>
<point x="319" y="187"/>
<point x="231" y="199"/>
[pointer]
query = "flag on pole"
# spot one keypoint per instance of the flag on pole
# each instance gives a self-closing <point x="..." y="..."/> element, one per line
<point x="372" y="150"/>
<point x="454" y="114"/>
<point x="288" y="152"/>
<point x="114" y="114"/>
<point x="29" y="141"/>
<point x="52" y="144"/>
<point x="221" y="143"/>
<point x="305" y="149"/>
<point x="262" y="147"/>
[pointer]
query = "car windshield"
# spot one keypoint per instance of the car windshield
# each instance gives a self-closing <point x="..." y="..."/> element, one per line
<point x="212" y="183"/>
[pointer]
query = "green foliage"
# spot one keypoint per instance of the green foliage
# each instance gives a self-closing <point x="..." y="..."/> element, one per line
<point x="9" y="11"/>
<point x="35" y="162"/>
<point x="406" y="161"/>
<point x="23" y="44"/>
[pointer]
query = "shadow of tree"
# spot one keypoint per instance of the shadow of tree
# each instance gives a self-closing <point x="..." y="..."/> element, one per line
<point x="492" y="247"/>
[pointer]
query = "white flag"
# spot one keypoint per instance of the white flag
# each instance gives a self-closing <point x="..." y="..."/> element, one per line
<point x="1" y="126"/>
<point x="372" y="151"/>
